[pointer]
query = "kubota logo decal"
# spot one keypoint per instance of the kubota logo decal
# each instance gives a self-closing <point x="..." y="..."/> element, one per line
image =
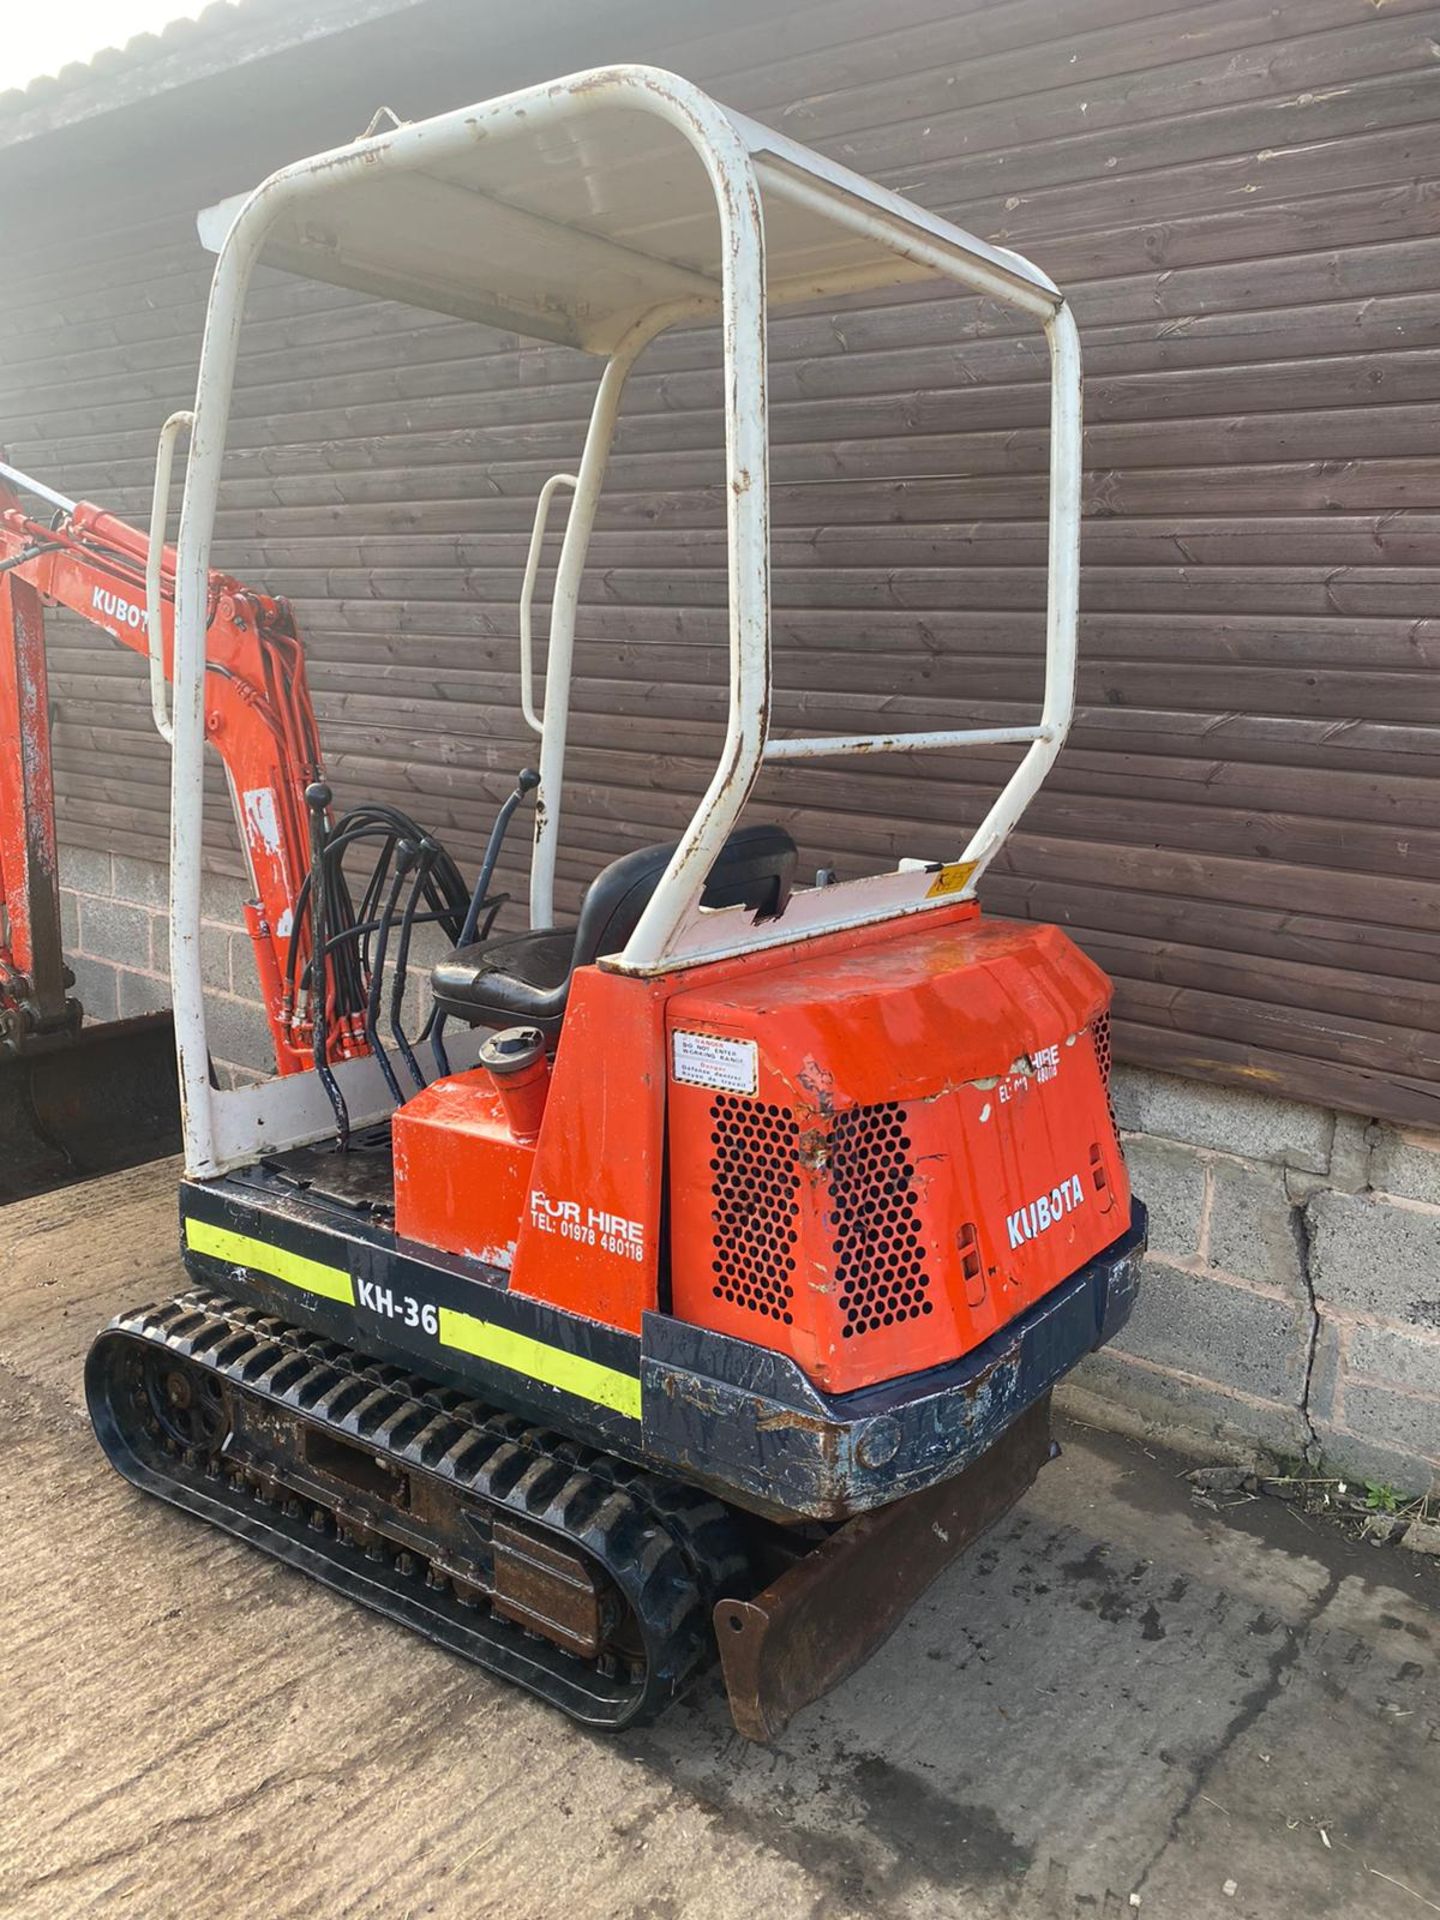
<point x="110" y="604"/>
<point x="1045" y="1211"/>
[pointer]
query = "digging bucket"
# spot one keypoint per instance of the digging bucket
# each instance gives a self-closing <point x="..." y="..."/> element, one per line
<point x="109" y="1099"/>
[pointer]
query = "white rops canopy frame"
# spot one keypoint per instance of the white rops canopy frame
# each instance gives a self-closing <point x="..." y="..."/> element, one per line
<point x="597" y="211"/>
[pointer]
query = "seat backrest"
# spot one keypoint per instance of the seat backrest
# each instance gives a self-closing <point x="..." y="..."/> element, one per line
<point x="526" y="976"/>
<point x="755" y="868"/>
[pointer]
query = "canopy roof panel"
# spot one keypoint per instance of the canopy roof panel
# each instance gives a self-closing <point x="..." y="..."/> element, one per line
<point x="567" y="211"/>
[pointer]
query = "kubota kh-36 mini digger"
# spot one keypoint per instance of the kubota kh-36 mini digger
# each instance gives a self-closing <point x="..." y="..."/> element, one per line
<point x="715" y="1287"/>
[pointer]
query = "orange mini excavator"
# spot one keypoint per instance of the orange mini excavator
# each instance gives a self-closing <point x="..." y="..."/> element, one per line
<point x="714" y="1286"/>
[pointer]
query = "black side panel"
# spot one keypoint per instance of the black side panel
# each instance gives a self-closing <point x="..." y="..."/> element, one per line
<point x="746" y="1420"/>
<point x="332" y="1270"/>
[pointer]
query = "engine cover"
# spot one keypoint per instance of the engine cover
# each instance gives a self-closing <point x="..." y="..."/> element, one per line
<point x="880" y="1156"/>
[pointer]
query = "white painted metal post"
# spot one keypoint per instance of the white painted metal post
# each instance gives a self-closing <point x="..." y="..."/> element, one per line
<point x="213" y="387"/>
<point x="1062" y="609"/>
<point x="747" y="505"/>
<point x="154" y="559"/>
<point x="565" y="603"/>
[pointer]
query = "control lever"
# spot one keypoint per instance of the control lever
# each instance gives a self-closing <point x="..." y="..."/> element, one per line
<point x="526" y="781"/>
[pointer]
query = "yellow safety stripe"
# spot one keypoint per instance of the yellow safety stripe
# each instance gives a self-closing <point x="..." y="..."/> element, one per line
<point x="311" y="1276"/>
<point x="569" y="1371"/>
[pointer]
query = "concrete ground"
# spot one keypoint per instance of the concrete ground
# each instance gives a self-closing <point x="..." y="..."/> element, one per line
<point x="1118" y="1702"/>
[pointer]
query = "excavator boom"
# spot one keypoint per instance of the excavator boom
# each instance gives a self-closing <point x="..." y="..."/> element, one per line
<point x="258" y="716"/>
<point x="73" y="1100"/>
<point x="77" y="1100"/>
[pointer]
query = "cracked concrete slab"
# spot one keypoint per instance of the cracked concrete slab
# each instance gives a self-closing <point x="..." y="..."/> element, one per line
<point x="1116" y="1695"/>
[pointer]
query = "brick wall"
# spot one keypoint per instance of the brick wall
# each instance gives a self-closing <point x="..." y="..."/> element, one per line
<point x="1291" y="1307"/>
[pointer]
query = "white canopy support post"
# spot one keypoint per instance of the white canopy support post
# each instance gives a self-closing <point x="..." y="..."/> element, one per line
<point x="527" y="596"/>
<point x="747" y="519"/>
<point x="565" y="602"/>
<point x="1062" y="608"/>
<point x="177" y="424"/>
<point x="209" y="421"/>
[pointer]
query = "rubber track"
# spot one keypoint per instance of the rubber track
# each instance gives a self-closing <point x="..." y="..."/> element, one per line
<point x="669" y="1549"/>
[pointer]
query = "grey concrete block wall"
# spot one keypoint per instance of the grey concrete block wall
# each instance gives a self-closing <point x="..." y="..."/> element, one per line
<point x="117" y="935"/>
<point x="1291" y="1306"/>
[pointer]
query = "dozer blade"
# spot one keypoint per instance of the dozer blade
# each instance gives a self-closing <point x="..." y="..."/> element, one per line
<point x="106" y="1100"/>
<point x="831" y="1610"/>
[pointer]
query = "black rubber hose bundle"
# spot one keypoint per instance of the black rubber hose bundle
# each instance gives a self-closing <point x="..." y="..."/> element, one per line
<point x="342" y="981"/>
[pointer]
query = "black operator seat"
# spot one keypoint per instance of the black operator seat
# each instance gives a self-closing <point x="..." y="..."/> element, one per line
<point x="525" y="977"/>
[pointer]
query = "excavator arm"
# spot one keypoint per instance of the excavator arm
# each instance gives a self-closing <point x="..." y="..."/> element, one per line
<point x="260" y="721"/>
<point x="258" y="717"/>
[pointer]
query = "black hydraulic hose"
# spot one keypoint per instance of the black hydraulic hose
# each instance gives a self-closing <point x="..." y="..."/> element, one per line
<point x="347" y="935"/>
<point x="31" y="553"/>
<point x="336" y="843"/>
<point x="292" y="952"/>
<point x="406" y="853"/>
<point x="369" y="904"/>
<point x="377" y="822"/>
<point x="317" y="801"/>
<point x="350" y="948"/>
<point x="347" y="975"/>
<point x="526" y="782"/>
<point x="429" y="851"/>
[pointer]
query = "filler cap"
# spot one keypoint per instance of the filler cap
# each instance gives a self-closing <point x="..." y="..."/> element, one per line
<point x="512" y="1050"/>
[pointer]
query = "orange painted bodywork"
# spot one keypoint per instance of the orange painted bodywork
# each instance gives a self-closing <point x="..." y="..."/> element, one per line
<point x="936" y="1108"/>
<point x="906" y="1142"/>
<point x="574" y="1215"/>
<point x="27" y="790"/>
<point x="590" y="1237"/>
<point x="462" y="1179"/>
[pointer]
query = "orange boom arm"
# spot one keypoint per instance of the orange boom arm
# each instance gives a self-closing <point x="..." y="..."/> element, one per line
<point x="258" y="717"/>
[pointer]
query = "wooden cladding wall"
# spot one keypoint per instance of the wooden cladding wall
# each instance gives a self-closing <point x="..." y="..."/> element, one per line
<point x="1242" y="200"/>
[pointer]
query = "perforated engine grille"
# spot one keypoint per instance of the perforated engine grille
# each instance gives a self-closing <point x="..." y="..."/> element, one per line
<point x="1101" y="1031"/>
<point x="1104" y="1058"/>
<point x="753" y="1176"/>
<point x="875" y="1219"/>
